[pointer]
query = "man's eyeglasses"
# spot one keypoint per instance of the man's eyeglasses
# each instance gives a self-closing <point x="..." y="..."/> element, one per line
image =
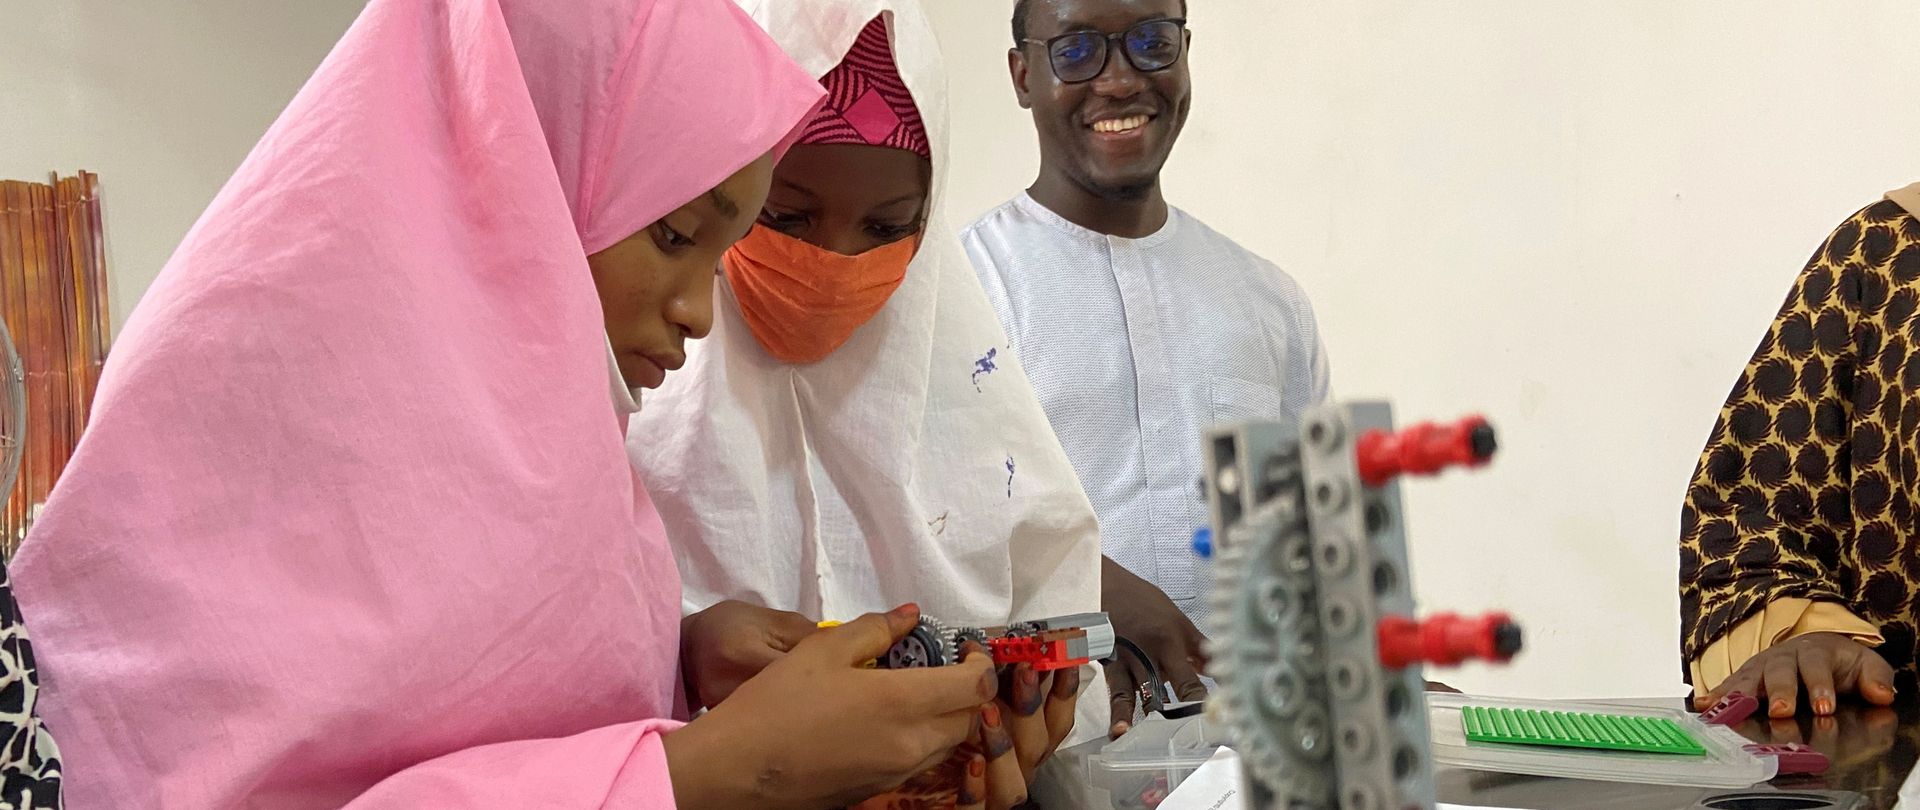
<point x="1151" y="46"/>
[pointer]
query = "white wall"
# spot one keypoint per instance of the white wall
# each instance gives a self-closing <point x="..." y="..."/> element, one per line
<point x="1576" y="217"/>
<point x="162" y="98"/>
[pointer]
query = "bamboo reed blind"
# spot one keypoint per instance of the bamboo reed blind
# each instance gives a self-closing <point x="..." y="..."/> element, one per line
<point x="53" y="294"/>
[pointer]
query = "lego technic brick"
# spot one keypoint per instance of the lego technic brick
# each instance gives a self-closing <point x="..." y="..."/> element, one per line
<point x="1045" y="651"/>
<point x="1391" y="582"/>
<point x="1264" y="633"/>
<point x="1248" y="464"/>
<point x="1098" y="628"/>
<point x="1359" y="565"/>
<point x="1312" y="589"/>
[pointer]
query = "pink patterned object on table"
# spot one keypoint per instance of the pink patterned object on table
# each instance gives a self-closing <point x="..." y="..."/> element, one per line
<point x="1731" y="709"/>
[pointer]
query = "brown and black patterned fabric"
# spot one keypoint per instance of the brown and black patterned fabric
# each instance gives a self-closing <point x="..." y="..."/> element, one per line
<point x="29" y="761"/>
<point x="1809" y="484"/>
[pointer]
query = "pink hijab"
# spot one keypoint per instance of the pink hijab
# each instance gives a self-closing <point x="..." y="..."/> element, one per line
<point x="353" y="524"/>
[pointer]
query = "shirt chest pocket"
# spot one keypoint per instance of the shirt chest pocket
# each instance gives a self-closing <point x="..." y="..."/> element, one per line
<point x="1235" y="399"/>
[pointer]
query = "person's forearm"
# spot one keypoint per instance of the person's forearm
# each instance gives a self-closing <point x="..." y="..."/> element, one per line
<point x="1114" y="578"/>
<point x="706" y="772"/>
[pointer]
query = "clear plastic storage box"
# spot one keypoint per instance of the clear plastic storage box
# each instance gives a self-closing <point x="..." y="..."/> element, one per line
<point x="1139" y="769"/>
<point x="1726" y="763"/>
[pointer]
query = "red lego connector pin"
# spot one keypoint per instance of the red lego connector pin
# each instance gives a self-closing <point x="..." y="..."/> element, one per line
<point x="1447" y="639"/>
<point x="1423" y="449"/>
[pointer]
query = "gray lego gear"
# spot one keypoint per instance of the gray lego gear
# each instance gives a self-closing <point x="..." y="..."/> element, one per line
<point x="929" y="644"/>
<point x="966" y="634"/>
<point x="1308" y="560"/>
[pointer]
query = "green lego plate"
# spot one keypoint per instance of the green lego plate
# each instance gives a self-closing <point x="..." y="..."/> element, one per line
<point x="1610" y="732"/>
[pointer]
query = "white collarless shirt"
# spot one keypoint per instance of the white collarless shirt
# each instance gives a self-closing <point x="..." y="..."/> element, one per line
<point x="1135" y="346"/>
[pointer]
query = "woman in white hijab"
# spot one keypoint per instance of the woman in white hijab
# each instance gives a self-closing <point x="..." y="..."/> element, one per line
<point x="856" y="433"/>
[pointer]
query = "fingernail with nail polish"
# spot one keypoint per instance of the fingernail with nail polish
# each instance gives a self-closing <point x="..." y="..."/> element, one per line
<point x="1781" y="708"/>
<point x="977" y="767"/>
<point x="991" y="714"/>
<point x="1066" y="682"/>
<point x="1030" y="696"/>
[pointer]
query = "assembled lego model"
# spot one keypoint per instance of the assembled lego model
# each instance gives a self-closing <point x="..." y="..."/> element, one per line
<point x="1047" y="644"/>
<point x="1312" y="639"/>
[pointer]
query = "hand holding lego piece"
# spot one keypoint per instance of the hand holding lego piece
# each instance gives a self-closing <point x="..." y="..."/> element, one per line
<point x="1022" y="729"/>
<point x="818" y="729"/>
<point x="1038" y="665"/>
<point x="1015" y="734"/>
<point x="727" y="644"/>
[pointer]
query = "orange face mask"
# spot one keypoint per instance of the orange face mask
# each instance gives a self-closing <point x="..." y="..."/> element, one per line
<point x="803" y="302"/>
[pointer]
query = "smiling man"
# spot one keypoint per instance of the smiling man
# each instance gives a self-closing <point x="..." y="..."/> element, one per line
<point x="1139" y="325"/>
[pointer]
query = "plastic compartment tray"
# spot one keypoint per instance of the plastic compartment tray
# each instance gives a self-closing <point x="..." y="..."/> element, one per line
<point x="1724" y="763"/>
<point x="1155" y="756"/>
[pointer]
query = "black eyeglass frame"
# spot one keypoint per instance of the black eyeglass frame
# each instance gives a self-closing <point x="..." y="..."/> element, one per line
<point x="1110" y="41"/>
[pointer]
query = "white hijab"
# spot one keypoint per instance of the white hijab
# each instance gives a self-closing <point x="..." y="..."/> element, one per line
<point x="914" y="464"/>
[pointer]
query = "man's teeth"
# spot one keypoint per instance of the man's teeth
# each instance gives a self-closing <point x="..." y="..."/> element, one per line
<point x="1127" y="124"/>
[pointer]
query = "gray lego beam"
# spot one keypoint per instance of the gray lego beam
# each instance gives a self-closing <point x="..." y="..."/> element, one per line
<point x="1307" y="561"/>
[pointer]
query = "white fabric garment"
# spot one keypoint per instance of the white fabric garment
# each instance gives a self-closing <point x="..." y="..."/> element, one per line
<point x="626" y="398"/>
<point x="914" y="464"/>
<point x="1135" y="346"/>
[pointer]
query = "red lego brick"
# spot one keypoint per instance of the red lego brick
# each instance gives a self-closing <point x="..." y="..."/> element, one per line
<point x="1046" y="651"/>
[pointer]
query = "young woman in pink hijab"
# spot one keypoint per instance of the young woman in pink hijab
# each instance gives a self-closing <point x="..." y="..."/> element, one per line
<point x="353" y="525"/>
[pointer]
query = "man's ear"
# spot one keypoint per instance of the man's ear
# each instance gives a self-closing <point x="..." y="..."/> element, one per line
<point x="1017" y="69"/>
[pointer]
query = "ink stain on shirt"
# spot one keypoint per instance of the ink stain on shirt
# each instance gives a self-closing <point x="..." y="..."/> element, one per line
<point x="1009" y="476"/>
<point x="984" y="366"/>
<point x="939" y="525"/>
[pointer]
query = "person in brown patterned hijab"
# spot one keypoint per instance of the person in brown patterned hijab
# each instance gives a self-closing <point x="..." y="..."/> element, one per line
<point x="1800" y="539"/>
